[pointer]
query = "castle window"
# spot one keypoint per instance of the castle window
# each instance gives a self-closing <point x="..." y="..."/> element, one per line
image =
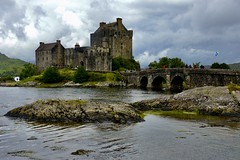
<point x="43" y="59"/>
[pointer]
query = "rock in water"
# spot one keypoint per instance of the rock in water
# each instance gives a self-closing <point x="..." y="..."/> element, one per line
<point x="76" y="111"/>
<point x="204" y="100"/>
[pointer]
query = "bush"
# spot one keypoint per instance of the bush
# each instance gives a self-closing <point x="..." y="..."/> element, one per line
<point x="51" y="75"/>
<point x="80" y="75"/>
<point x="28" y="71"/>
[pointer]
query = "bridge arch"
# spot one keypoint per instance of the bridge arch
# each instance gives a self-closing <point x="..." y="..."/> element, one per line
<point x="177" y="83"/>
<point x="144" y="82"/>
<point x="157" y="83"/>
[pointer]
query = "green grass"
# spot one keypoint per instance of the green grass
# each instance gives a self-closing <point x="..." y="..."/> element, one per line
<point x="102" y="77"/>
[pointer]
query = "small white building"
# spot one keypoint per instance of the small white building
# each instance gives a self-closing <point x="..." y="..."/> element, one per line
<point x="16" y="79"/>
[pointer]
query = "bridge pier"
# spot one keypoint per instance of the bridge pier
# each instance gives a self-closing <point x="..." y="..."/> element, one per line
<point x="187" y="82"/>
<point x="168" y="82"/>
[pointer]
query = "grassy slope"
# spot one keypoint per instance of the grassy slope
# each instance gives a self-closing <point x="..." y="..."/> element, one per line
<point x="10" y="66"/>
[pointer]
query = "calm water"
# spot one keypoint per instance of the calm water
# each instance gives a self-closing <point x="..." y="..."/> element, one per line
<point x="158" y="138"/>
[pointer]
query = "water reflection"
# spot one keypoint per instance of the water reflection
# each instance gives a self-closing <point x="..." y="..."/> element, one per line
<point x="158" y="137"/>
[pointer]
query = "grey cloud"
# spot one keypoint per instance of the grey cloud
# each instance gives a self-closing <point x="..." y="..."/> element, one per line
<point x="6" y="6"/>
<point x="192" y="30"/>
<point x="13" y="18"/>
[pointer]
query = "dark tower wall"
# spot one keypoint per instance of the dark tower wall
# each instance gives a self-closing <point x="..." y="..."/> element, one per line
<point x="114" y="36"/>
<point x="59" y="54"/>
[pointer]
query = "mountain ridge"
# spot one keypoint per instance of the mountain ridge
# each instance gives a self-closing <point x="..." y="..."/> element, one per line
<point x="10" y="66"/>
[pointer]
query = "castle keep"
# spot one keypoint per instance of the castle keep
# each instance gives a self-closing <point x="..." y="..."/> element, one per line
<point x="107" y="42"/>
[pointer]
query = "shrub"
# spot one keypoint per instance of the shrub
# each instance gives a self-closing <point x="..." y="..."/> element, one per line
<point x="80" y="75"/>
<point x="51" y="75"/>
<point x="28" y="71"/>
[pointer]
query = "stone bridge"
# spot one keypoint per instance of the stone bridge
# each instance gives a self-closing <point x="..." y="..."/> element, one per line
<point x="177" y="79"/>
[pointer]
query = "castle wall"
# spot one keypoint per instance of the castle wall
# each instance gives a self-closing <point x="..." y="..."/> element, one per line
<point x="113" y="40"/>
<point x="44" y="59"/>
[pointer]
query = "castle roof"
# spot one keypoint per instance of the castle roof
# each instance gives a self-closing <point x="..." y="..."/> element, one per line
<point x="110" y="26"/>
<point x="47" y="46"/>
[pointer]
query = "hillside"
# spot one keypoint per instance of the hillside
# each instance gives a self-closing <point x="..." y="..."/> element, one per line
<point x="10" y="66"/>
<point x="235" y="66"/>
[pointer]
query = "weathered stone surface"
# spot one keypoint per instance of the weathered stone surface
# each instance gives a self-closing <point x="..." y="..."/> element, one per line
<point x="76" y="111"/>
<point x="99" y="84"/>
<point x="204" y="100"/>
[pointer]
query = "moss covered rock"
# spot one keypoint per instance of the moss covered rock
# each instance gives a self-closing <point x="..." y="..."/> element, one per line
<point x="204" y="100"/>
<point x="76" y="111"/>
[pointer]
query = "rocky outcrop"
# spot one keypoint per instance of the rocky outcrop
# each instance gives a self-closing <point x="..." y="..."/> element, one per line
<point x="96" y="84"/>
<point x="76" y="111"/>
<point x="204" y="100"/>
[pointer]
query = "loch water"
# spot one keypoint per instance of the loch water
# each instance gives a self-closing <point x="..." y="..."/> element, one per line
<point x="157" y="138"/>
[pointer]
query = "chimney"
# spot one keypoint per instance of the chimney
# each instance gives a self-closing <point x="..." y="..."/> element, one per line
<point x="58" y="41"/>
<point x="41" y="43"/>
<point x="119" y="24"/>
<point x="77" y="45"/>
<point x="102" y="24"/>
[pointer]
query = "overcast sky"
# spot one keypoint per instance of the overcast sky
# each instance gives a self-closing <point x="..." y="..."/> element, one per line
<point x="193" y="30"/>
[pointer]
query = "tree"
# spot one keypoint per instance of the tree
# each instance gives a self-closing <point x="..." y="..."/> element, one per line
<point x="224" y="66"/>
<point x="176" y="63"/>
<point x="28" y="71"/>
<point x="216" y="65"/>
<point x="164" y="61"/>
<point x="51" y="75"/>
<point x="80" y="75"/>
<point x="167" y="62"/>
<point x="153" y="65"/>
<point x="120" y="63"/>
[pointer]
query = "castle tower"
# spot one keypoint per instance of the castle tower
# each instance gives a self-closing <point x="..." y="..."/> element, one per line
<point x="116" y="37"/>
<point x="60" y="54"/>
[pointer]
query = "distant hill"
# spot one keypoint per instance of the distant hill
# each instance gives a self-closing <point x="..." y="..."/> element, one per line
<point x="10" y="66"/>
<point x="235" y="66"/>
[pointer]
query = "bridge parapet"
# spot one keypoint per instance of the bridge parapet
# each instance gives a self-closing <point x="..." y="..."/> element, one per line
<point x="174" y="77"/>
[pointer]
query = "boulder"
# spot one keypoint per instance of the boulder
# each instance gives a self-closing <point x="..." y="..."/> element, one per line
<point x="204" y="100"/>
<point x="76" y="111"/>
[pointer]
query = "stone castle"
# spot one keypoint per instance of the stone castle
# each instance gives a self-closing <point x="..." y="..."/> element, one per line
<point x="107" y="42"/>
